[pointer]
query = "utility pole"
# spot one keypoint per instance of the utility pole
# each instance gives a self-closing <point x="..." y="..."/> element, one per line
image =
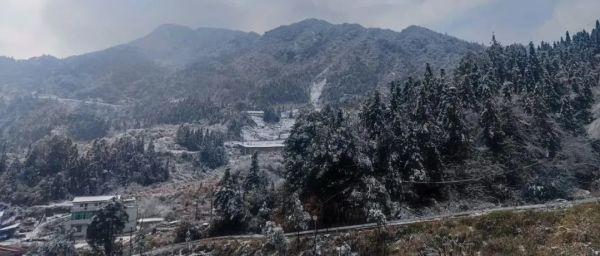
<point x="131" y="241"/>
<point x="314" y="218"/>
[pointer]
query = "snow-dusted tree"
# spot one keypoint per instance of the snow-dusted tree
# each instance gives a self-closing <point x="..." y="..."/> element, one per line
<point x="456" y="142"/>
<point x="3" y="157"/>
<point x="60" y="244"/>
<point x="276" y="240"/>
<point x="229" y="206"/>
<point x="321" y="154"/>
<point x="496" y="56"/>
<point x="567" y="116"/>
<point x="372" y="116"/>
<point x="467" y="79"/>
<point x="105" y="226"/>
<point x="549" y="137"/>
<point x="253" y="177"/>
<point x="493" y="135"/>
<point x="295" y="216"/>
<point x="534" y="71"/>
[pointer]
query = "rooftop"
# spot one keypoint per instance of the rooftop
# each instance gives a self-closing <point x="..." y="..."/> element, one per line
<point x="255" y="112"/>
<point x="260" y="144"/>
<point x="83" y="199"/>
<point x="151" y="220"/>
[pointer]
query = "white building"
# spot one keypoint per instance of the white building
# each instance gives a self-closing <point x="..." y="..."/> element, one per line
<point x="85" y="207"/>
<point x="249" y="147"/>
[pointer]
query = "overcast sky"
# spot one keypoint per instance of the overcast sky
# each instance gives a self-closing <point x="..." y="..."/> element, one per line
<point x="68" y="27"/>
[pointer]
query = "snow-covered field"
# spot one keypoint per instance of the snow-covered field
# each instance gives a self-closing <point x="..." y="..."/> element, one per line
<point x="316" y="89"/>
<point x="269" y="132"/>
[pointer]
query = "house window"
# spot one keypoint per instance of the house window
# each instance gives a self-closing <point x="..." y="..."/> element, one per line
<point x="82" y="215"/>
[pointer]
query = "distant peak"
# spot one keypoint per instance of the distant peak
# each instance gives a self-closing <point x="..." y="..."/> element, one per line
<point x="288" y="32"/>
<point x="415" y="28"/>
<point x="313" y="21"/>
<point x="169" y="27"/>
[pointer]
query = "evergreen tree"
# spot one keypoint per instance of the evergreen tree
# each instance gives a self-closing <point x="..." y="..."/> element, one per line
<point x="456" y="137"/>
<point x="534" y="69"/>
<point x="498" y="72"/>
<point x="467" y="79"/>
<point x="493" y="135"/>
<point x="3" y="158"/>
<point x="253" y="179"/>
<point x="105" y="226"/>
<point x="296" y="217"/>
<point x="549" y="137"/>
<point x="271" y="116"/>
<point x="373" y="116"/>
<point x="229" y="206"/>
<point x="60" y="244"/>
<point x="567" y="116"/>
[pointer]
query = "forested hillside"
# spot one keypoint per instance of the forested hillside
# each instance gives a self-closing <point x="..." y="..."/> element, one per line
<point x="177" y="74"/>
<point x="84" y="125"/>
<point x="508" y="125"/>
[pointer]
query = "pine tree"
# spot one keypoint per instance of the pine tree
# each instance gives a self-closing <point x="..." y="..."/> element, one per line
<point x="534" y="69"/>
<point x="549" y="137"/>
<point x="229" y="206"/>
<point x="253" y="177"/>
<point x="296" y="217"/>
<point x="567" y="116"/>
<point x="396" y="95"/>
<point x="456" y="138"/>
<point x="373" y="116"/>
<point x="3" y="158"/>
<point x="467" y="79"/>
<point x="493" y="135"/>
<point x="496" y="55"/>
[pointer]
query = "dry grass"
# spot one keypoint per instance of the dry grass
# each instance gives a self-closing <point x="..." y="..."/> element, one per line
<point x="574" y="231"/>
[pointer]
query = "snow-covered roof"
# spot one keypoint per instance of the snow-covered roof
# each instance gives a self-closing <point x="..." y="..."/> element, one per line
<point x="83" y="199"/>
<point x="260" y="144"/>
<point x="255" y="112"/>
<point x="150" y="220"/>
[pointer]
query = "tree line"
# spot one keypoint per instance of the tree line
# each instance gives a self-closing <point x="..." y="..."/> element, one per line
<point x="55" y="169"/>
<point x="500" y="123"/>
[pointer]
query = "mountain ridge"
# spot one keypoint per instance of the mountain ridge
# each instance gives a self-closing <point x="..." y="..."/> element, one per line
<point x="230" y="65"/>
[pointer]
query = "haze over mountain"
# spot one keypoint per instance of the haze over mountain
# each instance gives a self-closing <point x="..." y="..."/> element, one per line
<point x="227" y="65"/>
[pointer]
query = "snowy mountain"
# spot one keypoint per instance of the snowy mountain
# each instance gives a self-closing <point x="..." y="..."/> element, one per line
<point x="230" y="66"/>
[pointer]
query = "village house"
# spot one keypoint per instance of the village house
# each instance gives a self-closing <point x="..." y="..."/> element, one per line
<point x="84" y="208"/>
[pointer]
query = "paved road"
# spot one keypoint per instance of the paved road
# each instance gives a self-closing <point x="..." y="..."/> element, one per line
<point x="546" y="206"/>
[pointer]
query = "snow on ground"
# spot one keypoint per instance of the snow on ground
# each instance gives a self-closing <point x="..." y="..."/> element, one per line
<point x="593" y="129"/>
<point x="316" y="88"/>
<point x="77" y="101"/>
<point x="269" y="132"/>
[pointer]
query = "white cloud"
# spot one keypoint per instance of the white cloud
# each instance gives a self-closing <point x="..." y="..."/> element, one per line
<point x="570" y="15"/>
<point x="22" y="32"/>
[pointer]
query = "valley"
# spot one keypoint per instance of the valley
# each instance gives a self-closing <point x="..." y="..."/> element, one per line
<point x="236" y="143"/>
